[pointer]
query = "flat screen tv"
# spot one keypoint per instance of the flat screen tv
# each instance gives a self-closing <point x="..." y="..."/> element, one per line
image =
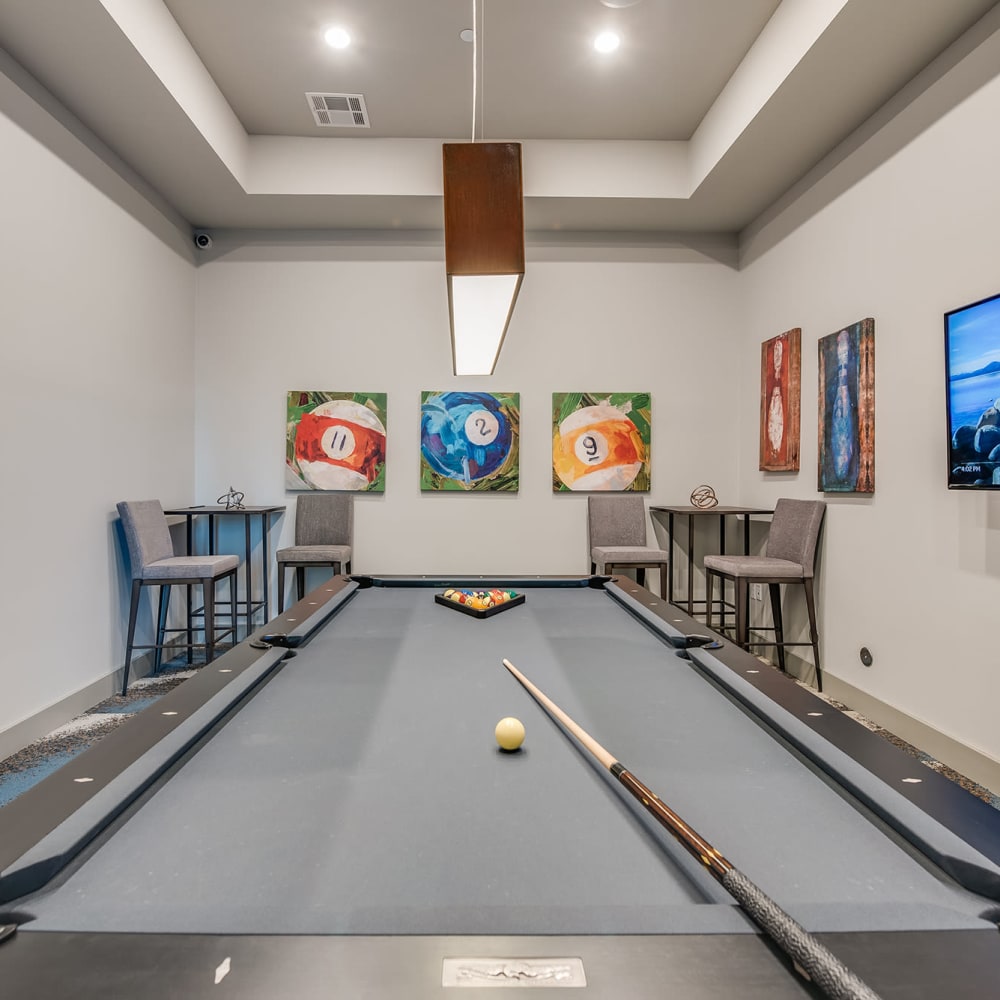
<point x="972" y="383"/>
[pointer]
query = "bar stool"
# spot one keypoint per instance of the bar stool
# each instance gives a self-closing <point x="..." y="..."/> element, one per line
<point x="790" y="557"/>
<point x="151" y="553"/>
<point x="324" y="536"/>
<point x="617" y="537"/>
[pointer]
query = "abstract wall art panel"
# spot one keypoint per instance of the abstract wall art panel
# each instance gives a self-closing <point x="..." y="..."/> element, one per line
<point x="780" y="381"/>
<point x="335" y="441"/>
<point x="600" y="441"/>
<point x="847" y="410"/>
<point x="470" y="441"/>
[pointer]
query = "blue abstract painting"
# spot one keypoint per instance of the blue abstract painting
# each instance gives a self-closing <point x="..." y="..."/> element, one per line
<point x="469" y="441"/>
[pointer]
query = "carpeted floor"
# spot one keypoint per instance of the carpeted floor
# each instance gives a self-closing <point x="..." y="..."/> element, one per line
<point x="35" y="762"/>
<point x="40" y="759"/>
<point x="926" y="759"/>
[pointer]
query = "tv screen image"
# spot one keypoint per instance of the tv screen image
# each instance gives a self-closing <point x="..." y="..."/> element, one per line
<point x="972" y="380"/>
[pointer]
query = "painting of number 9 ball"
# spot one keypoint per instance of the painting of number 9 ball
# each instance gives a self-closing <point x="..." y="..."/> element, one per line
<point x="468" y="437"/>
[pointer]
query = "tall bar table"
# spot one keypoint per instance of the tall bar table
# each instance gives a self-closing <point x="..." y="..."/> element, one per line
<point x="692" y="513"/>
<point x="267" y="513"/>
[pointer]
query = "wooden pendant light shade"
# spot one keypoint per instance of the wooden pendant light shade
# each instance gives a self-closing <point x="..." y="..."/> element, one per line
<point x="483" y="208"/>
<point x="484" y="239"/>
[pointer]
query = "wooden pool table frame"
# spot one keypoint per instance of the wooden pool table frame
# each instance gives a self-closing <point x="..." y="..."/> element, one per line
<point x="698" y="967"/>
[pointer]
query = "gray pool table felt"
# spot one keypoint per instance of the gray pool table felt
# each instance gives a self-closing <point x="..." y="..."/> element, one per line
<point x="360" y="791"/>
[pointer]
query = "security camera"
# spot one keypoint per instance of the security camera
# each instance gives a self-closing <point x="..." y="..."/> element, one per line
<point x="202" y="240"/>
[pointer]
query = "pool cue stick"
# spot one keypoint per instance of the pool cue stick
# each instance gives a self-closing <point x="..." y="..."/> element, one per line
<point x="819" y="963"/>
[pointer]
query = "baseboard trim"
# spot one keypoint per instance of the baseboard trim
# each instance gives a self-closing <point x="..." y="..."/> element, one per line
<point x="21" y="734"/>
<point x="973" y="764"/>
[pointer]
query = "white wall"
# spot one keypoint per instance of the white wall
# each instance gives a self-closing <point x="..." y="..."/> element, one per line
<point x="272" y="320"/>
<point x="128" y="374"/>
<point x="912" y="572"/>
<point x="96" y="406"/>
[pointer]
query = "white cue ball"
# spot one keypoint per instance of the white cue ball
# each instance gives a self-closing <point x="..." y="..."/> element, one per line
<point x="509" y="733"/>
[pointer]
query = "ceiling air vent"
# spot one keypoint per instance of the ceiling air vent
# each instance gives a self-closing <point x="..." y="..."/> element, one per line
<point x="339" y="110"/>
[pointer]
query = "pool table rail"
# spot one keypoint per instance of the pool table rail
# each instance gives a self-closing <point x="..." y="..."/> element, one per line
<point x="45" y="828"/>
<point x="27" y="821"/>
<point x="812" y="724"/>
<point x="86" y="966"/>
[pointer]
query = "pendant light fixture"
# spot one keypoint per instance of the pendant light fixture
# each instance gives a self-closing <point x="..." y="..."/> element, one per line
<point x="484" y="241"/>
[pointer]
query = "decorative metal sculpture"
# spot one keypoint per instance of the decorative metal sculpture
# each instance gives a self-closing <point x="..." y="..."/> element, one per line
<point x="233" y="499"/>
<point x="704" y="497"/>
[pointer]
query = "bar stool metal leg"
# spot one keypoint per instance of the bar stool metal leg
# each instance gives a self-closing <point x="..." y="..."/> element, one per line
<point x="742" y="630"/>
<point x="232" y="612"/>
<point x="208" y="595"/>
<point x="161" y="626"/>
<point x="133" y="614"/>
<point x="813" y="631"/>
<point x="779" y="635"/>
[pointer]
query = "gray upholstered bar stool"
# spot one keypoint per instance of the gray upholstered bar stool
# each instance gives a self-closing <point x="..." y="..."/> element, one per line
<point x="151" y="554"/>
<point x="790" y="557"/>
<point x="324" y="536"/>
<point x="617" y="538"/>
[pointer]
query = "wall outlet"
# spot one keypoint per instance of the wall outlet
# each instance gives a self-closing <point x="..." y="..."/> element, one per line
<point x="757" y="591"/>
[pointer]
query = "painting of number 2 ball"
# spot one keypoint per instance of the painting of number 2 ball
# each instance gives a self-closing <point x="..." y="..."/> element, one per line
<point x="600" y="441"/>
<point x="335" y="441"/>
<point x="469" y="441"/>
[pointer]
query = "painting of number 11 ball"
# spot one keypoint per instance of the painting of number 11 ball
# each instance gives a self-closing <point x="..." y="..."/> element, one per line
<point x="335" y="441"/>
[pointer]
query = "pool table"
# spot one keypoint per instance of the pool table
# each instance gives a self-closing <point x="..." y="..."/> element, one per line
<point x="335" y="819"/>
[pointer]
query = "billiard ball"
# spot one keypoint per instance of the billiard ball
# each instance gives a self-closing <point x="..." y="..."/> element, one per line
<point x="509" y="733"/>
<point x="598" y="448"/>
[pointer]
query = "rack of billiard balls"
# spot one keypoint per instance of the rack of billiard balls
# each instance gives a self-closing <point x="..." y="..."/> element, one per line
<point x="479" y="603"/>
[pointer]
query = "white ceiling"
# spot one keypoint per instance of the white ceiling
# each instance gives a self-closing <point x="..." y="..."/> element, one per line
<point x="706" y="115"/>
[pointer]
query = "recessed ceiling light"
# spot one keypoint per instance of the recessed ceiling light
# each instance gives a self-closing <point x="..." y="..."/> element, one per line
<point x="337" y="38"/>
<point x="619" y="4"/>
<point x="607" y="41"/>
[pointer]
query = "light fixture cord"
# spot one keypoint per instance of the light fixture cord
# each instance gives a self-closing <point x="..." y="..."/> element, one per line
<point x="475" y="65"/>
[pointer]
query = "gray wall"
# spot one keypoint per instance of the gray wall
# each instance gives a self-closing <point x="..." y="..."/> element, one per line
<point x="129" y="373"/>
<point x="299" y="318"/>
<point x="96" y="405"/>
<point x="912" y="572"/>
